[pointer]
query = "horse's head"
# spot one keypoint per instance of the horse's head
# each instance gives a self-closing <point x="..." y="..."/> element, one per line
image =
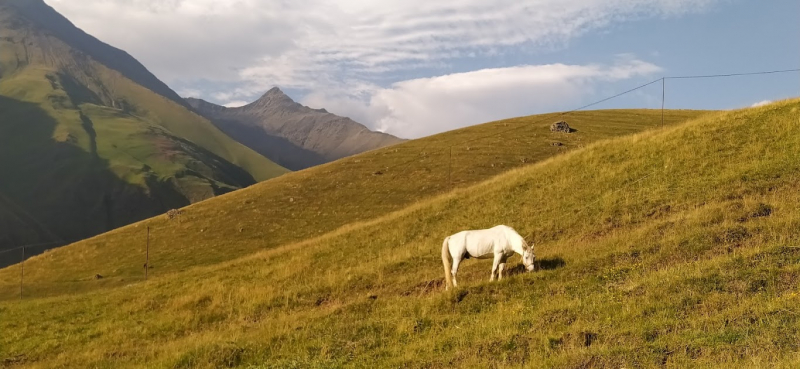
<point x="529" y="258"/>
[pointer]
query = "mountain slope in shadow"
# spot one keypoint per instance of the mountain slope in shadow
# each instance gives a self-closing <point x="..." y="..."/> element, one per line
<point x="91" y="141"/>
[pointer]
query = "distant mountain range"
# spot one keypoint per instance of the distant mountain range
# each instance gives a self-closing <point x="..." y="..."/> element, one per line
<point x="290" y="134"/>
<point x="90" y="140"/>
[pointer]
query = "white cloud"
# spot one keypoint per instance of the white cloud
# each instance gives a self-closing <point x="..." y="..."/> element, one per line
<point x="420" y="107"/>
<point x="363" y="40"/>
<point x="761" y="103"/>
<point x="187" y="39"/>
<point x="342" y="51"/>
<point x="189" y="92"/>
<point x="235" y="104"/>
<point x="307" y="43"/>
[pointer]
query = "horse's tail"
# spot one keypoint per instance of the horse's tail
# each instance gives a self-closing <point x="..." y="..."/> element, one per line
<point x="448" y="277"/>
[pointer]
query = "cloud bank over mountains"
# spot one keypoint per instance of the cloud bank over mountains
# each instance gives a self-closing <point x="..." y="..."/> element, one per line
<point x="425" y="106"/>
<point x="385" y="63"/>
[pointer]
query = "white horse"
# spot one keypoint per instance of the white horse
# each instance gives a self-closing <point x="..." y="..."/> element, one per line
<point x="500" y="243"/>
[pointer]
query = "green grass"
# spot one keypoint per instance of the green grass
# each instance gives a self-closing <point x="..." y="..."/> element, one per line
<point x="112" y="168"/>
<point x="190" y="126"/>
<point x="309" y="203"/>
<point x="674" y="247"/>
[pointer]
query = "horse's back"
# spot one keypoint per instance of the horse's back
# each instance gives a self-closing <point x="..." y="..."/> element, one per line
<point x="506" y="229"/>
<point x="484" y="242"/>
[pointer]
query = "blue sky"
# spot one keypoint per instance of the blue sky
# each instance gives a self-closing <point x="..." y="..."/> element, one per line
<point x="416" y="67"/>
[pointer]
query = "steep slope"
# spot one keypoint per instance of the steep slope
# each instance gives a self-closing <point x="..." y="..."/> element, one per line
<point x="671" y="248"/>
<point x="85" y="149"/>
<point x="45" y="18"/>
<point x="312" y="202"/>
<point x="291" y="134"/>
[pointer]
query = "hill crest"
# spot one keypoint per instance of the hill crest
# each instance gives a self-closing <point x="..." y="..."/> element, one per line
<point x="312" y="202"/>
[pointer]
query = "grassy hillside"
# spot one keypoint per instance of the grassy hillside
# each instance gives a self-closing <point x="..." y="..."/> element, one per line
<point x="306" y="204"/>
<point x="118" y="151"/>
<point x="674" y="248"/>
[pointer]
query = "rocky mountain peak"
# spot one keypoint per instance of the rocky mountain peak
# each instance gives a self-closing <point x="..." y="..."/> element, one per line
<point x="274" y="97"/>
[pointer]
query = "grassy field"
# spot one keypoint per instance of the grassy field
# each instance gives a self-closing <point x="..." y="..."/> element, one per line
<point x="310" y="203"/>
<point x="674" y="247"/>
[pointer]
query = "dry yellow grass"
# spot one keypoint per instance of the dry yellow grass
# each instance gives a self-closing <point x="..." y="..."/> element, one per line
<point x="670" y="248"/>
<point x="306" y="204"/>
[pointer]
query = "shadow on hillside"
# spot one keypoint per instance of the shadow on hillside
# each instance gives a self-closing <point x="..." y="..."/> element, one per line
<point x="550" y="263"/>
<point x="278" y="149"/>
<point x="56" y="191"/>
<point x="225" y="171"/>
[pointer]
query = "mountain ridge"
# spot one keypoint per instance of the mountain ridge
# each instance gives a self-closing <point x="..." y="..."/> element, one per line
<point x="44" y="16"/>
<point x="291" y="134"/>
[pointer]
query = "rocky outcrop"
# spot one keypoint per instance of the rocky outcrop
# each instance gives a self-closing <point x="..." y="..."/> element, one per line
<point x="561" y="126"/>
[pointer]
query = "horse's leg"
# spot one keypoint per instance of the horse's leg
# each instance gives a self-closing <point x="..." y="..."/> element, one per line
<point x="495" y="266"/>
<point x="502" y="267"/>
<point x="456" y="261"/>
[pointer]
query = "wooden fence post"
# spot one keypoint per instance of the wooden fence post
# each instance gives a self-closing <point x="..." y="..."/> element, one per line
<point x="21" y="272"/>
<point x="147" y="254"/>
